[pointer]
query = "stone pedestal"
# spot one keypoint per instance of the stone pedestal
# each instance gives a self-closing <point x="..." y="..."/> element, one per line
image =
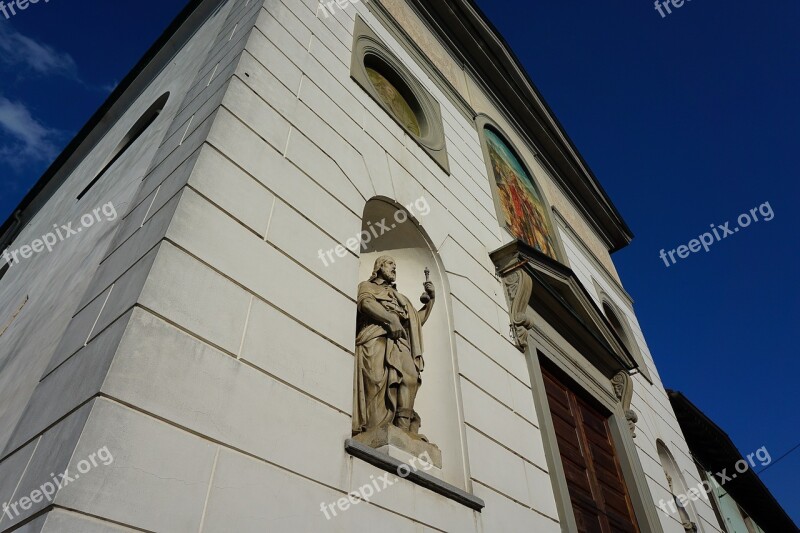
<point x="388" y="437"/>
<point x="418" y="463"/>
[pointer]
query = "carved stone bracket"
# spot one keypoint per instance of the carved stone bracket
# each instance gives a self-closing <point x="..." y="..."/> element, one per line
<point x="623" y="389"/>
<point x="519" y="286"/>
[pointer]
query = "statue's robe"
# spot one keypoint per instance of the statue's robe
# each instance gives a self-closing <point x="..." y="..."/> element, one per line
<point x="383" y="363"/>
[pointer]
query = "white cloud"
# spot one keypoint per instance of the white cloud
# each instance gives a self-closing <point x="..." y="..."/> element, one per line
<point x="18" y="50"/>
<point x="31" y="141"/>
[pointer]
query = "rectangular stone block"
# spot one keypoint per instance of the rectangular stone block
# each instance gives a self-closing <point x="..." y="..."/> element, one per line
<point x="497" y="467"/>
<point x="192" y="295"/>
<point x="157" y="476"/>
<point x="163" y="371"/>
<point x="228" y="186"/>
<point x="299" y="356"/>
<point x="503" y="514"/>
<point x="256" y="495"/>
<point x="63" y="521"/>
<point x="217" y="239"/>
<point x="502" y="424"/>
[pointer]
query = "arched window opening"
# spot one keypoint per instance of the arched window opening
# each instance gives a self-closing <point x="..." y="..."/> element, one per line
<point x="616" y="323"/>
<point x="681" y="496"/>
<point x="616" y="318"/>
<point x="141" y="125"/>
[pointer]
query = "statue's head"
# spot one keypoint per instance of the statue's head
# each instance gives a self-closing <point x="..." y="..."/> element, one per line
<point x="385" y="268"/>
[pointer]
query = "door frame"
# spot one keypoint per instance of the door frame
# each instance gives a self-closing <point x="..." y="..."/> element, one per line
<point x="597" y="387"/>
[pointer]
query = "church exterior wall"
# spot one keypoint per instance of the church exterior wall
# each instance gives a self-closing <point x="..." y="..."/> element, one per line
<point x="212" y="350"/>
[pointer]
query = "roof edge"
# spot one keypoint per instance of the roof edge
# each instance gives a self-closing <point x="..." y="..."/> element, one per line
<point x="746" y="488"/>
<point x="475" y="41"/>
<point x="47" y="184"/>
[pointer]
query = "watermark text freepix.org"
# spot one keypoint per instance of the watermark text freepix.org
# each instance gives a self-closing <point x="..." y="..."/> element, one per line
<point x="49" y="240"/>
<point x="663" y="5"/>
<point x="420" y="205"/>
<point x="705" y="488"/>
<point x="367" y="491"/>
<point x="331" y="5"/>
<point x="16" y="5"/>
<point x="705" y="240"/>
<point x="48" y="489"/>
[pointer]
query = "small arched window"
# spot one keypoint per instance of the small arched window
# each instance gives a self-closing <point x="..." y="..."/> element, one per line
<point x="616" y="323"/>
<point x="141" y="125"/>
<point x="616" y="318"/>
<point x="681" y="494"/>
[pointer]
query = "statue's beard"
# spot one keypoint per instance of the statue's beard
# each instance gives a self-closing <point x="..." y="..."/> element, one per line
<point x="390" y="276"/>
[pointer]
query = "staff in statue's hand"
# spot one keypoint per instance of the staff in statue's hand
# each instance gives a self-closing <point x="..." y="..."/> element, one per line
<point x="430" y="291"/>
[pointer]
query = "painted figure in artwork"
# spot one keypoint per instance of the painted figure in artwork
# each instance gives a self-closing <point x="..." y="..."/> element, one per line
<point x="522" y="204"/>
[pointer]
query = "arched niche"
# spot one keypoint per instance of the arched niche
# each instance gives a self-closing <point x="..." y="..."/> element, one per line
<point x="437" y="400"/>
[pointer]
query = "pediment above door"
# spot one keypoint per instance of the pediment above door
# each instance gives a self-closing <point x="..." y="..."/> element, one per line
<point x="555" y="293"/>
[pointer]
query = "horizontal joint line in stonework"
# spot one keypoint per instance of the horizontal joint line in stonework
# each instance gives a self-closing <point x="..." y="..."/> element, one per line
<point x="258" y="296"/>
<point x="98" y="517"/>
<point x="116" y="280"/>
<point x="295" y="387"/>
<point x="479" y="317"/>
<point x="261" y="239"/>
<point x="289" y="161"/>
<point x="490" y="358"/>
<point x="456" y="199"/>
<point x="456" y="242"/>
<point x="294" y="126"/>
<point x="240" y="360"/>
<point x="45" y="430"/>
<point x="269" y="190"/>
<point x="233" y="448"/>
<point x="225" y="211"/>
<point x="501" y="402"/>
<point x="469" y="279"/>
<point x="90" y="340"/>
<point x="154" y="165"/>
<point x="144" y="222"/>
<point x="499" y="334"/>
<point x="504" y="495"/>
<point x="470" y="424"/>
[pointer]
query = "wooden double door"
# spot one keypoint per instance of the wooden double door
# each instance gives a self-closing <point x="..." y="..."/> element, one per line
<point x="597" y="490"/>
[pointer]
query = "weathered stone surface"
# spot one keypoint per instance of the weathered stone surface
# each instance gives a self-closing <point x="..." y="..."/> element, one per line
<point x="389" y="361"/>
<point x="390" y="435"/>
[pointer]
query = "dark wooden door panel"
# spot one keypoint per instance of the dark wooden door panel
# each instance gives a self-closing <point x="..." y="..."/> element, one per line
<point x="578" y="478"/>
<point x="588" y="519"/>
<point x="600" y="499"/>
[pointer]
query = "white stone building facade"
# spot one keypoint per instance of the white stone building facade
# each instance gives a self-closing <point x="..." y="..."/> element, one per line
<point x="202" y="341"/>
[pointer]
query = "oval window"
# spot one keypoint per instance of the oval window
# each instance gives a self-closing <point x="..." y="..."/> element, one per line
<point x="395" y="101"/>
<point x="397" y="91"/>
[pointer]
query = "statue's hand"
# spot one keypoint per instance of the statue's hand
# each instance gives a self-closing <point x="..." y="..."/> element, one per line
<point x="430" y="289"/>
<point x="395" y="328"/>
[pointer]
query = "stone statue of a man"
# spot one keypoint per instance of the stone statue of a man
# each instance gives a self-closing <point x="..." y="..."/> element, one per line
<point x="389" y="360"/>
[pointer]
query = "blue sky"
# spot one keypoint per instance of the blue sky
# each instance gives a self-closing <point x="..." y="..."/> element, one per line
<point x="688" y="121"/>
